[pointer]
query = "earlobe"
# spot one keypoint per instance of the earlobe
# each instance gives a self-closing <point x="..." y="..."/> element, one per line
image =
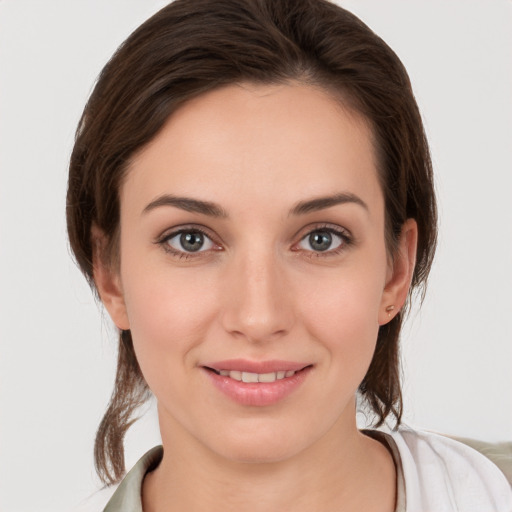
<point x="400" y="273"/>
<point x="108" y="281"/>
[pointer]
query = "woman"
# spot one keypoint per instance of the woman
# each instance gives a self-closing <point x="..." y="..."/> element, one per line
<point x="251" y="195"/>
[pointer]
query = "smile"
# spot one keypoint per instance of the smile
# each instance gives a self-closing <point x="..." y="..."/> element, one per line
<point x="255" y="377"/>
<point x="257" y="383"/>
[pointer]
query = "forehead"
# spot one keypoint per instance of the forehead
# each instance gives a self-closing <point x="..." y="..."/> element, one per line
<point x="257" y="142"/>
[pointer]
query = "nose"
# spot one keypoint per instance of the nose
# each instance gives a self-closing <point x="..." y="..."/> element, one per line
<point x="257" y="301"/>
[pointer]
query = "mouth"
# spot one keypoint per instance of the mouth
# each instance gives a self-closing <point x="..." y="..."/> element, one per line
<point x="257" y="383"/>
<point x="253" y="377"/>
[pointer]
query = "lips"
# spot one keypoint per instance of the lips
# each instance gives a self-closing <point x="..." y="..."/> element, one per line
<point x="256" y="383"/>
<point x="255" y="377"/>
<point x="244" y="365"/>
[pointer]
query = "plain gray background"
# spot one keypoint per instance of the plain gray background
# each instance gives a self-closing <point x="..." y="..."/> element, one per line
<point x="57" y="355"/>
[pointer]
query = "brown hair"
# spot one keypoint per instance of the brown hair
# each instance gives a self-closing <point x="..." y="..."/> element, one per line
<point x="193" y="46"/>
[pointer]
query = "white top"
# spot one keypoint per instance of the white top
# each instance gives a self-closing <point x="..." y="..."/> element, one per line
<point x="442" y="475"/>
<point x="434" y="474"/>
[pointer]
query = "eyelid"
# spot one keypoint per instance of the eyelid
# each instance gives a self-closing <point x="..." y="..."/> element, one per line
<point x="337" y="230"/>
<point x="170" y="233"/>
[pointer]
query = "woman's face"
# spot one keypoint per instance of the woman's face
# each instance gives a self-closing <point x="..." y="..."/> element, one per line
<point x="252" y="246"/>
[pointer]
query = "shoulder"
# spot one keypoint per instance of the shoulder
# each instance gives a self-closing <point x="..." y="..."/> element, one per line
<point x="125" y="496"/>
<point x="444" y="474"/>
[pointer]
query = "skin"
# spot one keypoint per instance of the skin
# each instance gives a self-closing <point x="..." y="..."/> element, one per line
<point x="259" y="291"/>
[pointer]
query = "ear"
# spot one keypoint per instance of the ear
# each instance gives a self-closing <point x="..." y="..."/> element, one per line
<point x="400" y="272"/>
<point x="108" y="280"/>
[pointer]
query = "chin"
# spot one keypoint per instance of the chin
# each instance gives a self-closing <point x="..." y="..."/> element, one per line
<point x="261" y="443"/>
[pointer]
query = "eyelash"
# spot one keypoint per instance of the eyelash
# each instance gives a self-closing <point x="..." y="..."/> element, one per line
<point x="345" y="237"/>
<point x="183" y="255"/>
<point x="346" y="240"/>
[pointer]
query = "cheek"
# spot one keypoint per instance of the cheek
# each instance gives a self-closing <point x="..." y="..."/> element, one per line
<point x="344" y="316"/>
<point x="168" y="317"/>
<point x="343" y="311"/>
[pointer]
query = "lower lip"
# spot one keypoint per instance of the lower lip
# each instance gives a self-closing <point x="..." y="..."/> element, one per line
<point x="258" y="394"/>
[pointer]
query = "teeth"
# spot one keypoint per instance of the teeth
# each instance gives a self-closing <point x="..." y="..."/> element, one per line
<point x="256" y="377"/>
<point x="267" y="377"/>
<point x="249" y="377"/>
<point x="235" y="375"/>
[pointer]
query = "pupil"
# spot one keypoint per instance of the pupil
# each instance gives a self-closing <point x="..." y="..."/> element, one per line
<point x="191" y="241"/>
<point x="320" y="240"/>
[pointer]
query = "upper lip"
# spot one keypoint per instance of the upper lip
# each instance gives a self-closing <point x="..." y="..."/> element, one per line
<point x="245" y="365"/>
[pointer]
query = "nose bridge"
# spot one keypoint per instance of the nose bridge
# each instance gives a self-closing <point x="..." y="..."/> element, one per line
<point x="257" y="307"/>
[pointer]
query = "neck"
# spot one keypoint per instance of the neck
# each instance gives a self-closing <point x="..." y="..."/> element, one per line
<point x="344" y="470"/>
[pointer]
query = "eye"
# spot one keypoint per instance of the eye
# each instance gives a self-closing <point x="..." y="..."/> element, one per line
<point x="189" y="241"/>
<point x="322" y="240"/>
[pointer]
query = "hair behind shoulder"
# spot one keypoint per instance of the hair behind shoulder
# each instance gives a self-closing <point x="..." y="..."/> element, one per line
<point x="194" y="46"/>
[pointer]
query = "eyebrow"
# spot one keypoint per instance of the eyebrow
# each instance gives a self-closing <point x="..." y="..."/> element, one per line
<point x="214" y="210"/>
<point x="187" y="204"/>
<point x="321" y="203"/>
